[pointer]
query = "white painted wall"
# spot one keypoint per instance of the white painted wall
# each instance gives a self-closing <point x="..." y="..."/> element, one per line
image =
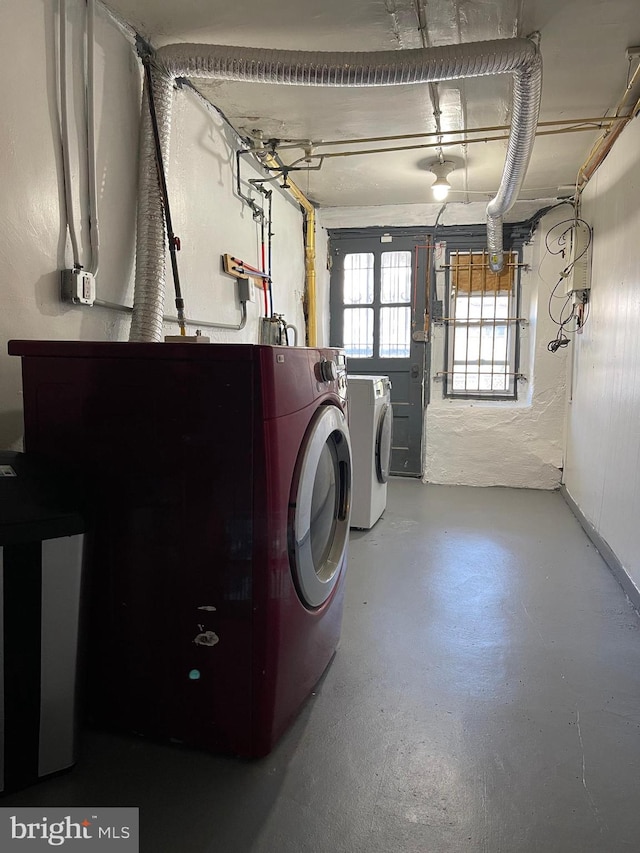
<point x="212" y="220"/>
<point x="518" y="443"/>
<point x="419" y="215"/>
<point x="32" y="250"/>
<point x="479" y="443"/>
<point x="603" y="428"/>
<point x="209" y="218"/>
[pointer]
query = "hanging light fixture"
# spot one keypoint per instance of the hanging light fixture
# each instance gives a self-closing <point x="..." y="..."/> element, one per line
<point x="441" y="186"/>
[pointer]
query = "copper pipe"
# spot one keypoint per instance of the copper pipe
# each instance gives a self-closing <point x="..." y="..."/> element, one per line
<point x="605" y="143"/>
<point x="438" y="144"/>
<point x="599" y="121"/>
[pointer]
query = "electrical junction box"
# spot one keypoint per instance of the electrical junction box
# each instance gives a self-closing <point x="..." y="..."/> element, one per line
<point x="246" y="290"/>
<point x="78" y="287"/>
<point x="578" y="258"/>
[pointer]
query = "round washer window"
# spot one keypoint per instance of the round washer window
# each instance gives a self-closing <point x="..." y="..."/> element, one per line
<point x="324" y="507"/>
<point x="383" y="443"/>
<point x="320" y="501"/>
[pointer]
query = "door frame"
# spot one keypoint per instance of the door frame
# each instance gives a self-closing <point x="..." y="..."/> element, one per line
<point x="407" y="459"/>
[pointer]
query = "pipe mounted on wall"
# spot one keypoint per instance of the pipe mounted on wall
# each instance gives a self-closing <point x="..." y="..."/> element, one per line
<point x="519" y="57"/>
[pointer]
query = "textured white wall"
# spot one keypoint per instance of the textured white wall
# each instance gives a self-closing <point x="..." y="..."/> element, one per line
<point x="603" y="429"/>
<point x="489" y="443"/>
<point x="33" y="248"/>
<point x="209" y="218"/>
<point x="478" y="443"/>
<point x="419" y="215"/>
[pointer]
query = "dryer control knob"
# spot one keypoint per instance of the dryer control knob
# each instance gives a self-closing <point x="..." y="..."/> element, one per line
<point x="328" y="371"/>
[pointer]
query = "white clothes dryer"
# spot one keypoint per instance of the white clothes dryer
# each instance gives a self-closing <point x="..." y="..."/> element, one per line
<point x="371" y="427"/>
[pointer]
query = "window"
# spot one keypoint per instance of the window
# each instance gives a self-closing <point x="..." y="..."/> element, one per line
<point x="482" y="327"/>
<point x="393" y="308"/>
<point x="358" y="290"/>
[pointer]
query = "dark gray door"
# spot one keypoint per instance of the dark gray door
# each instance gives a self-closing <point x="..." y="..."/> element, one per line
<point x="378" y="291"/>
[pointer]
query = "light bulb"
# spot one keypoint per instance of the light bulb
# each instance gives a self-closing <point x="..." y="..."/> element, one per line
<point x="440" y="190"/>
<point x="441" y="185"/>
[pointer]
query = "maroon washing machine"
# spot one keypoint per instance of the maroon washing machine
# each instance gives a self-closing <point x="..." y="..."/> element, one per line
<point x="220" y="479"/>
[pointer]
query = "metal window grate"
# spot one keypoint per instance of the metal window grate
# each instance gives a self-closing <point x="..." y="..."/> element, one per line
<point x="481" y="329"/>
<point x="395" y="275"/>
<point x="395" y="332"/>
<point x="358" y="290"/>
<point x="358" y="332"/>
<point x="376" y="304"/>
<point x="358" y="278"/>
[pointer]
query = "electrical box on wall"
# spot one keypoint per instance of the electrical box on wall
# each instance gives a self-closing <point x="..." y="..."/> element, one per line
<point x="578" y="275"/>
<point x="78" y="286"/>
<point x="246" y="290"/>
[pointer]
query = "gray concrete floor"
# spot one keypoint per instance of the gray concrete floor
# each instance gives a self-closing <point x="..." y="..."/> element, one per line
<point x="485" y="697"/>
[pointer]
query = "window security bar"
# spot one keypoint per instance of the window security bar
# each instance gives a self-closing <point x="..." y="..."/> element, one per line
<point x="482" y="320"/>
<point x="513" y="265"/>
<point x="440" y="374"/>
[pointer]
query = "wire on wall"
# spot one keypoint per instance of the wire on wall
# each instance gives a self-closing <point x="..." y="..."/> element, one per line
<point x="90" y="98"/>
<point x="88" y="70"/>
<point x="433" y="295"/>
<point x="266" y="234"/>
<point x="574" y="312"/>
<point x="64" y="129"/>
<point x="173" y="241"/>
<point x="263" y="263"/>
<point x="270" y="247"/>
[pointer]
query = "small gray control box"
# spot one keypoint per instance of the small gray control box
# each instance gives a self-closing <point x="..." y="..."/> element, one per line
<point x="78" y="286"/>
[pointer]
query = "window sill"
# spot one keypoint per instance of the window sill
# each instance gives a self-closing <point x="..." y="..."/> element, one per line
<point x="480" y="404"/>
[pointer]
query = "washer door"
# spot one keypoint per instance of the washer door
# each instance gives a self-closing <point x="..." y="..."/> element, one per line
<point x="321" y="500"/>
<point x="383" y="442"/>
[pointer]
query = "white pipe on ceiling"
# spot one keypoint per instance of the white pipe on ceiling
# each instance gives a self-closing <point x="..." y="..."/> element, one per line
<point x="520" y="57"/>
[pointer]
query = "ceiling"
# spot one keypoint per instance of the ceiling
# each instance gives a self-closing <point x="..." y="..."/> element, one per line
<point x="586" y="69"/>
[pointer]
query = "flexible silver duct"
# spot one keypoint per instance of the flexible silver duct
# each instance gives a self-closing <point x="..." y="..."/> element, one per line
<point x="300" y="68"/>
<point x="151" y="241"/>
<point x="527" y="88"/>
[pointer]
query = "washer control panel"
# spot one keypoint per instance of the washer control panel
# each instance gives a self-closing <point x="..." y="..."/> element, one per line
<point x="328" y="370"/>
<point x="332" y="370"/>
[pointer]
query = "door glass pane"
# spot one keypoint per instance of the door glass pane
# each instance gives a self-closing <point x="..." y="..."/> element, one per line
<point x="395" y="272"/>
<point x="358" y="332"/>
<point x="358" y="278"/>
<point x="323" y="508"/>
<point x="394" y="332"/>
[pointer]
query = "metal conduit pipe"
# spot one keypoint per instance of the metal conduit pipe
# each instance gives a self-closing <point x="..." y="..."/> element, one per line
<point x="594" y="123"/>
<point x="331" y="155"/>
<point x="172" y="318"/>
<point x="519" y="57"/>
<point x="309" y="255"/>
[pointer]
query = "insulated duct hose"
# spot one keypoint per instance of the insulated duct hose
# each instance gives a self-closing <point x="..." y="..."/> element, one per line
<point x="519" y="57"/>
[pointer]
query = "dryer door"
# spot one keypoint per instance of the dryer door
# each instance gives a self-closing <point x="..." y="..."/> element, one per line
<point x="320" y="503"/>
<point x="383" y="442"/>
